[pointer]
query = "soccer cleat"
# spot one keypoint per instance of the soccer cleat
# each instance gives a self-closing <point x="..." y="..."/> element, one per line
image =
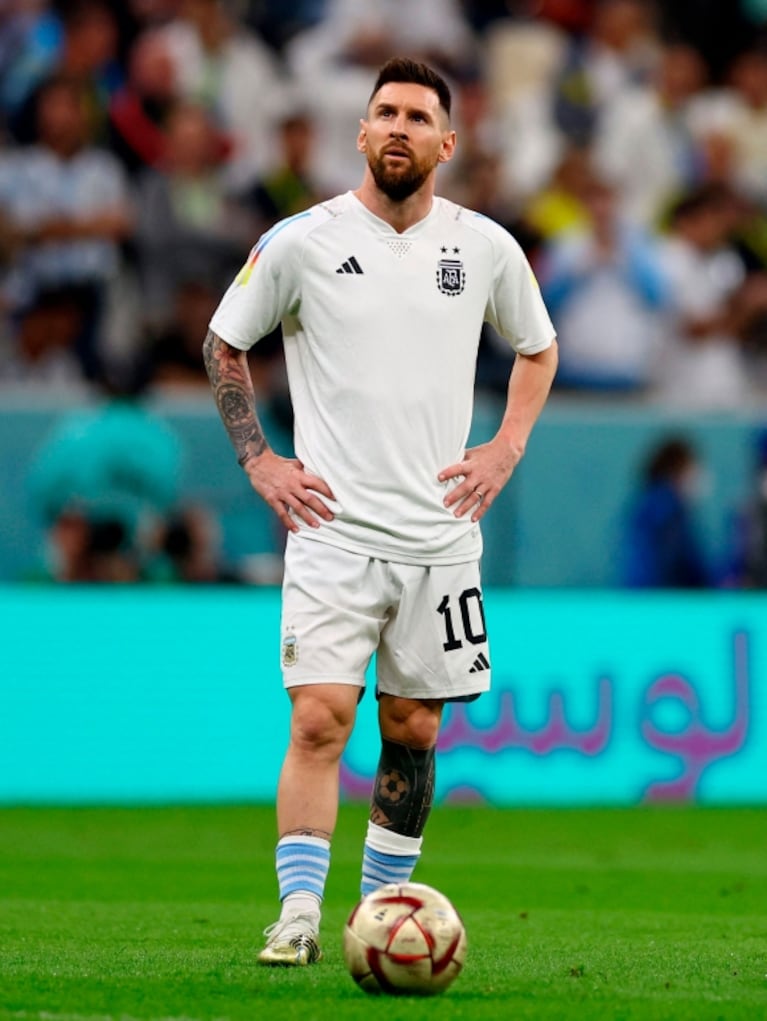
<point x="291" y="942"/>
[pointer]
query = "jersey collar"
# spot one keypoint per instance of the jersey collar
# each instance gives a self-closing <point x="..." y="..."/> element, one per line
<point x="376" y="221"/>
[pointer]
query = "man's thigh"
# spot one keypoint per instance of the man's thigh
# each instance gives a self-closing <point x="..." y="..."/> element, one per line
<point x="334" y="606"/>
<point x="435" y="644"/>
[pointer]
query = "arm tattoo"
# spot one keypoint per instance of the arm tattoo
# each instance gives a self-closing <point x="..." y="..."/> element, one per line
<point x="233" y="390"/>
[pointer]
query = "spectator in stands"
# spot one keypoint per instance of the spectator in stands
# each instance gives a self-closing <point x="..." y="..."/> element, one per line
<point x="744" y="123"/>
<point x="189" y="550"/>
<point x="289" y="187"/>
<point x="90" y="54"/>
<point x="67" y="202"/>
<point x="619" y="49"/>
<point x="233" y="74"/>
<point x="661" y="544"/>
<point x="560" y="206"/>
<point x="189" y="226"/>
<point x="585" y="72"/>
<point x="521" y="62"/>
<point x="480" y="162"/>
<point x="80" y="551"/>
<point x="174" y="351"/>
<point x="42" y="344"/>
<point x="750" y="243"/>
<point x="605" y="291"/>
<point x="102" y="477"/>
<point x="30" y="41"/>
<point x="87" y="52"/>
<point x="702" y="365"/>
<point x="649" y="140"/>
<point x="364" y="33"/>
<point x="139" y="110"/>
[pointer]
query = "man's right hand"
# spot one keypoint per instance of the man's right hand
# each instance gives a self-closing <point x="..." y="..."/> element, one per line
<point x="289" y="490"/>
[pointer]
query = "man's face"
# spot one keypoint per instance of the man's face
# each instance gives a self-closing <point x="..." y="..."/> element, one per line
<point x="61" y="119"/>
<point x="405" y="136"/>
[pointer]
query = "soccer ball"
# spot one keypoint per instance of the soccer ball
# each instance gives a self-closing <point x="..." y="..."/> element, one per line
<point x="404" y="938"/>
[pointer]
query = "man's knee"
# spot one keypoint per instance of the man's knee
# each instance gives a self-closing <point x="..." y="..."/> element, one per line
<point x="322" y="718"/>
<point x="410" y="722"/>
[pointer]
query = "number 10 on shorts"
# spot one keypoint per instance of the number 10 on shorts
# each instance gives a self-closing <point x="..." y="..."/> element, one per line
<point x="466" y="614"/>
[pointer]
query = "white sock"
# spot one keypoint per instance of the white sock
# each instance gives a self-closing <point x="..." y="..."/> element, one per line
<point x="301" y="904"/>
<point x="388" y="857"/>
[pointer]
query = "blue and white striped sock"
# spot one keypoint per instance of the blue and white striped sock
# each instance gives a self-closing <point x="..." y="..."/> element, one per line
<point x="388" y="858"/>
<point x="302" y="867"/>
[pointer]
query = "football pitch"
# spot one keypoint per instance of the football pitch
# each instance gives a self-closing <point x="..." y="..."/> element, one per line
<point x="649" y="914"/>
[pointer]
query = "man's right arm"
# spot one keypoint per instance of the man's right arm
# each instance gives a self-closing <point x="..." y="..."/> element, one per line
<point x="232" y="386"/>
<point x="282" y="482"/>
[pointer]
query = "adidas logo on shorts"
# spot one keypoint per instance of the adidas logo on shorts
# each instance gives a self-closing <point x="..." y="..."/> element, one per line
<point x="480" y="664"/>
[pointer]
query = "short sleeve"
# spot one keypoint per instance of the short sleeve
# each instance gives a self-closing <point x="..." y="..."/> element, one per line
<point x="266" y="289"/>
<point x="515" y="306"/>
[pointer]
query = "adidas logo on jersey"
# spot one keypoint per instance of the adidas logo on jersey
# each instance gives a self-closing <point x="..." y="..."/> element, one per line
<point x="480" y="664"/>
<point x="350" y="266"/>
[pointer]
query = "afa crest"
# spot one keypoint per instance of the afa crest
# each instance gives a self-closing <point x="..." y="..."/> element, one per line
<point x="289" y="650"/>
<point x="451" y="276"/>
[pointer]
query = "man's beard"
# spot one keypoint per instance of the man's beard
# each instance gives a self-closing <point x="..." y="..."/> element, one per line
<point x="398" y="183"/>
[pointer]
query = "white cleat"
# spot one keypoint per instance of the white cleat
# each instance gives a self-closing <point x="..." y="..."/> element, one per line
<point x="291" y="942"/>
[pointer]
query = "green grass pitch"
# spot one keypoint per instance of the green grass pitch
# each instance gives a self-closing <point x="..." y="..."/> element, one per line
<point x="658" y="914"/>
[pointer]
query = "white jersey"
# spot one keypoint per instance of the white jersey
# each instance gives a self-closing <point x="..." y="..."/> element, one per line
<point x="381" y="333"/>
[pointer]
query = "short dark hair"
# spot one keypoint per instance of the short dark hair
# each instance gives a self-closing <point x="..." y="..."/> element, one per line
<point x="402" y="69"/>
<point x="669" y="459"/>
<point x="700" y="199"/>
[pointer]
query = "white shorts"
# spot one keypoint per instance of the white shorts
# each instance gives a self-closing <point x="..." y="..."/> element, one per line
<point x="426" y="623"/>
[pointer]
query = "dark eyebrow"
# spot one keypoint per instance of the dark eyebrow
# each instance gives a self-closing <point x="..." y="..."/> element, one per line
<point x="391" y="108"/>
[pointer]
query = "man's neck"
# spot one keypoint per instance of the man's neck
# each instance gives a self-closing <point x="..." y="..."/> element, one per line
<point x="63" y="151"/>
<point x="399" y="215"/>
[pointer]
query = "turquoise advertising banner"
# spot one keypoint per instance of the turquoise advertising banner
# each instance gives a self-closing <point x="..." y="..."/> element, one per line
<point x="151" y="695"/>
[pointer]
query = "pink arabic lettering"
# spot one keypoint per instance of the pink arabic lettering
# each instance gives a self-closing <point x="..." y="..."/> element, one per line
<point x="697" y="746"/>
<point x="505" y="733"/>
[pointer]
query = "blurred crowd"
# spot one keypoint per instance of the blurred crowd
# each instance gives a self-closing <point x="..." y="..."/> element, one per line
<point x="145" y="145"/>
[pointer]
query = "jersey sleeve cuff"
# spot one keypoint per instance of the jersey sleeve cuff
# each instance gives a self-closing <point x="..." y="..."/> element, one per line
<point x="229" y="337"/>
<point x="536" y="347"/>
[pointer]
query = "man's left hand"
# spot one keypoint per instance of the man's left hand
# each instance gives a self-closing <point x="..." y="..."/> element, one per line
<point x="484" y="471"/>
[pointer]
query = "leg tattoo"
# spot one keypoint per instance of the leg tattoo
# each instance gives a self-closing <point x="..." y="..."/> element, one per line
<point x="404" y="788"/>
<point x="308" y="831"/>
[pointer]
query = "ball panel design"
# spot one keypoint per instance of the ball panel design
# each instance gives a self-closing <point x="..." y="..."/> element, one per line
<point x="404" y="938"/>
<point x="401" y="975"/>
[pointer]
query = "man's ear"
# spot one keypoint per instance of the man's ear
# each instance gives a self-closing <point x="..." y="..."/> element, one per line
<point x="362" y="136"/>
<point x="447" y="148"/>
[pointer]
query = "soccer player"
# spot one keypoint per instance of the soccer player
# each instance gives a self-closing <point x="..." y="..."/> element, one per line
<point x="382" y="293"/>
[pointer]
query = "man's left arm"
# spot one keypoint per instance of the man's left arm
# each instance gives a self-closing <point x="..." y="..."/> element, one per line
<point x="486" y="469"/>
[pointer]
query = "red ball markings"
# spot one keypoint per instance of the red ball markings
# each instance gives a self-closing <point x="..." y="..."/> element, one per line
<point x="381" y="967"/>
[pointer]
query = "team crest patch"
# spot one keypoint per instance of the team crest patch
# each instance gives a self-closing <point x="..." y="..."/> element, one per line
<point x="451" y="276"/>
<point x="289" y="650"/>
